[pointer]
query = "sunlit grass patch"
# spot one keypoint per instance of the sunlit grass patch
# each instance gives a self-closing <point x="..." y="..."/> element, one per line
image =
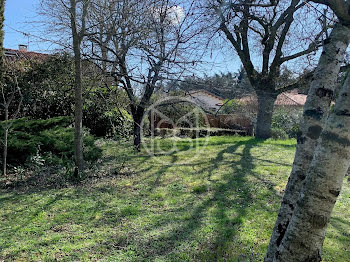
<point x="219" y="207"/>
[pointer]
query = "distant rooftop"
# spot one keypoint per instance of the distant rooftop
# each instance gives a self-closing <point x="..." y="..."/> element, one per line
<point x="291" y="98"/>
<point x="192" y="92"/>
<point x="23" y="54"/>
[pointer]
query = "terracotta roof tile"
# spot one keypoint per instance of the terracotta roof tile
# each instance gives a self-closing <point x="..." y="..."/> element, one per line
<point x="13" y="55"/>
<point x="291" y="98"/>
<point x="206" y="92"/>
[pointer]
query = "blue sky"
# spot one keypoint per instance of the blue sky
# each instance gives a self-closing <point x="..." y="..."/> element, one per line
<point x="20" y="16"/>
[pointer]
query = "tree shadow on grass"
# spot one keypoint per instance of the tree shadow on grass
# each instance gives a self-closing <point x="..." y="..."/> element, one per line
<point x="27" y="218"/>
<point x="226" y="205"/>
<point x="341" y="225"/>
<point x="232" y="193"/>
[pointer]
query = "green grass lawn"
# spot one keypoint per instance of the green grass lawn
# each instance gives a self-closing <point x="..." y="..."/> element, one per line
<point x="219" y="207"/>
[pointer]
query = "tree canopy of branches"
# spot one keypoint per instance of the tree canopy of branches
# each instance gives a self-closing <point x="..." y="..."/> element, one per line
<point x="224" y="85"/>
<point x="2" y="62"/>
<point x="140" y="44"/>
<point x="2" y="59"/>
<point x="271" y="33"/>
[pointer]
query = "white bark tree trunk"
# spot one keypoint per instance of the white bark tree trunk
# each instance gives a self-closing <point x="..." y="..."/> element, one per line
<point x="316" y="110"/>
<point x="306" y="232"/>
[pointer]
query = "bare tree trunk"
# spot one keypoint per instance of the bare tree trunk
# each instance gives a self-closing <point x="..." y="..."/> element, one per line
<point x="316" y="111"/>
<point x="305" y="235"/>
<point x="137" y="136"/>
<point x="78" y="134"/>
<point x="6" y="132"/>
<point x="137" y="117"/>
<point x="77" y="39"/>
<point x="266" y="101"/>
<point x="2" y="73"/>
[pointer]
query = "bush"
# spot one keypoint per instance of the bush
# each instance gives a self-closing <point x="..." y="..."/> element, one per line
<point x="54" y="135"/>
<point x="232" y="106"/>
<point x="47" y="92"/>
<point x="287" y="120"/>
<point x="105" y="112"/>
<point x="47" y="87"/>
<point x="278" y="133"/>
<point x="113" y="124"/>
<point x="33" y="126"/>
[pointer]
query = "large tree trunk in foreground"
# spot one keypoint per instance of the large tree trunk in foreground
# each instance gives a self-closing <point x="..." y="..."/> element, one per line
<point x="316" y="111"/>
<point x="305" y="235"/>
<point x="266" y="101"/>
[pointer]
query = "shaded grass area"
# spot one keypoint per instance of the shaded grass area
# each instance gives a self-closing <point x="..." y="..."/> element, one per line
<point x="220" y="206"/>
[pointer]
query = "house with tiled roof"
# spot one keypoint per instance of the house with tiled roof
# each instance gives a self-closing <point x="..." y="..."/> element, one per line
<point x="292" y="98"/>
<point x="12" y="55"/>
<point x="288" y="99"/>
<point x="212" y="102"/>
<point x="206" y="99"/>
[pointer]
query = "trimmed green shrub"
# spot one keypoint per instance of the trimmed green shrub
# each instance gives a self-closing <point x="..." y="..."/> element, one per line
<point x="54" y="135"/>
<point x="32" y="126"/>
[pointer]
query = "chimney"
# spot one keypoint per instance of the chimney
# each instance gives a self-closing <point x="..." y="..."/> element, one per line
<point x="23" y="48"/>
